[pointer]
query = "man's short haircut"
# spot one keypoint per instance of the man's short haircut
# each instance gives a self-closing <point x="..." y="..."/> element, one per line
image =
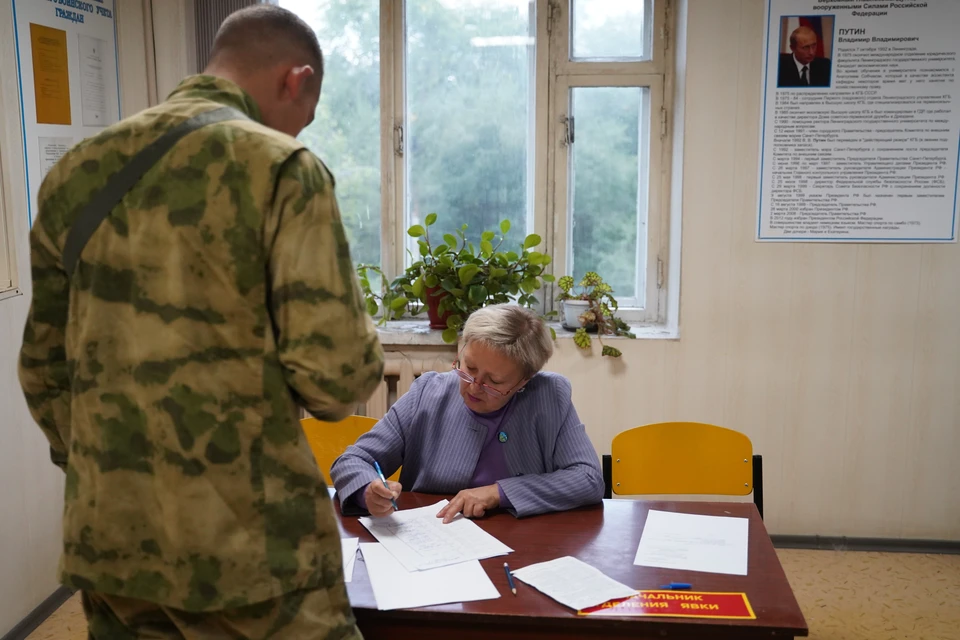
<point x="264" y="35"/>
<point x="799" y="30"/>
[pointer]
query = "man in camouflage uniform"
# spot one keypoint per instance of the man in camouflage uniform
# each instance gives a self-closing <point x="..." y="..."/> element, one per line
<point x="167" y="370"/>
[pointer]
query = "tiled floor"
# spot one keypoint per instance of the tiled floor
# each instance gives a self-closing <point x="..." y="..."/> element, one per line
<point x="849" y="595"/>
<point x="845" y="595"/>
<point x="67" y="623"/>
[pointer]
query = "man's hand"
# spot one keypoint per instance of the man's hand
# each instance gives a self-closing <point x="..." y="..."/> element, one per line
<point x="472" y="502"/>
<point x="378" y="497"/>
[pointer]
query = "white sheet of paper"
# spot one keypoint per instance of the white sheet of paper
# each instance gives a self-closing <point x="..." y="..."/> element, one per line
<point x="51" y="150"/>
<point x="685" y="541"/>
<point x="349" y="548"/>
<point x="573" y="583"/>
<point x="396" y="588"/>
<point x="419" y="539"/>
<point x="93" y="86"/>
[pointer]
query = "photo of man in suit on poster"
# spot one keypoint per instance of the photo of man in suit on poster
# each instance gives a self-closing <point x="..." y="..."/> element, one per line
<point x="806" y="43"/>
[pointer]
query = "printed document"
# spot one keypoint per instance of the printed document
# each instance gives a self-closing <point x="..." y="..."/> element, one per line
<point x="573" y="583"/>
<point x="396" y="588"/>
<point x="684" y="541"/>
<point x="348" y="547"/>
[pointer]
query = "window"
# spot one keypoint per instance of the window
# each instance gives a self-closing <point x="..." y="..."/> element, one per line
<point x="608" y="92"/>
<point x="606" y="183"/>
<point x="550" y="114"/>
<point x="469" y="69"/>
<point x="346" y="131"/>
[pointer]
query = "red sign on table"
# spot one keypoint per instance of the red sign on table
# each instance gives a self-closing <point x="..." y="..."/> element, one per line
<point x="686" y="604"/>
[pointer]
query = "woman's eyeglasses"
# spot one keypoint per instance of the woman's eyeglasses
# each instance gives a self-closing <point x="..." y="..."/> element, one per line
<point x="466" y="377"/>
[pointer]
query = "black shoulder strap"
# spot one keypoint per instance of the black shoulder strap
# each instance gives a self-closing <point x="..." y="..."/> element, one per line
<point x="122" y="181"/>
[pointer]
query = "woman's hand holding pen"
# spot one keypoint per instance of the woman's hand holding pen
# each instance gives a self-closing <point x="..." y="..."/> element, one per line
<point x="380" y="498"/>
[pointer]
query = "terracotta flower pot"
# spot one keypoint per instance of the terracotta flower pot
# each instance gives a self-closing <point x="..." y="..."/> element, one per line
<point x="437" y="320"/>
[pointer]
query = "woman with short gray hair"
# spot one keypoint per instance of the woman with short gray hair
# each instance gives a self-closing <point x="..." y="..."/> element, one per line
<point x="496" y="431"/>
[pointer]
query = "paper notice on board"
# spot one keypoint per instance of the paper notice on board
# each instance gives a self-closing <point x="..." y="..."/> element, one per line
<point x="51" y="150"/>
<point x="51" y="76"/>
<point x="93" y="85"/>
<point x="860" y="122"/>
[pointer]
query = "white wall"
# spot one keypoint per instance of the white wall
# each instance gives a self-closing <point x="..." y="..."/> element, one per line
<point x="841" y="362"/>
<point x="31" y="487"/>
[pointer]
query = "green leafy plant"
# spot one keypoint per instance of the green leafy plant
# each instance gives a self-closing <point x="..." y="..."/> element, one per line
<point x="600" y="312"/>
<point x="461" y="276"/>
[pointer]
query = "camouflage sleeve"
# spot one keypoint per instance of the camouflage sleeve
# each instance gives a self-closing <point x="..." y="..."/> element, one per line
<point x="43" y="370"/>
<point x="327" y="344"/>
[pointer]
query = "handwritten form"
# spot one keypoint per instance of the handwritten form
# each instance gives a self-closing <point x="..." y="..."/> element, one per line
<point x="348" y="546"/>
<point x="394" y="587"/>
<point x="573" y="583"/>
<point x="684" y="541"/>
<point x="419" y="540"/>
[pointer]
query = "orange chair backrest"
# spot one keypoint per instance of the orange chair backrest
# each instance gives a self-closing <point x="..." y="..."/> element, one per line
<point x="674" y="458"/>
<point x="328" y="440"/>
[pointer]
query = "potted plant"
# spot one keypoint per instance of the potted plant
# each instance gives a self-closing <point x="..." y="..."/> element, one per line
<point x="454" y="278"/>
<point x="590" y="307"/>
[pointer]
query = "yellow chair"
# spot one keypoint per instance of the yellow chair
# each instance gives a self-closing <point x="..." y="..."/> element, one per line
<point x="330" y="439"/>
<point x="674" y="458"/>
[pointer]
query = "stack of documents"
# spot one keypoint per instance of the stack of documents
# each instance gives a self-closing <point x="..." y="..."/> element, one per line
<point x="396" y="588"/>
<point x="348" y="546"/>
<point x="420" y="561"/>
<point x="573" y="583"/>
<point x="419" y="540"/>
<point x="684" y="541"/>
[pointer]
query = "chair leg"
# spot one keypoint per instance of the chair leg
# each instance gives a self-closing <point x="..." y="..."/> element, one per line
<point x="758" y="483"/>
<point x="607" y="476"/>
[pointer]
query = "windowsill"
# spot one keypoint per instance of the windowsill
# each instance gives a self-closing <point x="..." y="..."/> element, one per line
<point x="10" y="293"/>
<point x="641" y="331"/>
<point x="419" y="333"/>
<point x="411" y="332"/>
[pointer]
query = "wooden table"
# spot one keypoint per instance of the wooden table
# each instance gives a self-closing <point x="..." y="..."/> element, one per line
<point x="605" y="536"/>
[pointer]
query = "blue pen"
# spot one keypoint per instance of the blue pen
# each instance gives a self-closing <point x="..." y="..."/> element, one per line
<point x="384" y="481"/>
<point x="513" y="587"/>
<point x="676" y="585"/>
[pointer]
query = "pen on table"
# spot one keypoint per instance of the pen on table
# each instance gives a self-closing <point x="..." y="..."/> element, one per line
<point x="513" y="587"/>
<point x="676" y="585"/>
<point x="384" y="481"/>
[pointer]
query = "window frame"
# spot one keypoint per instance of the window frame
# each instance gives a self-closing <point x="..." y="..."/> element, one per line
<point x="566" y="73"/>
<point x="8" y="271"/>
<point x="555" y="72"/>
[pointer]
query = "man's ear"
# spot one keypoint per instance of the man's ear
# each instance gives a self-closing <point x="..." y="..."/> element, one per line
<point x="296" y="80"/>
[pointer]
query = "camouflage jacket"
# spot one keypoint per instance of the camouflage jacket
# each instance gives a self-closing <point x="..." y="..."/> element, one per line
<point x="166" y="373"/>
